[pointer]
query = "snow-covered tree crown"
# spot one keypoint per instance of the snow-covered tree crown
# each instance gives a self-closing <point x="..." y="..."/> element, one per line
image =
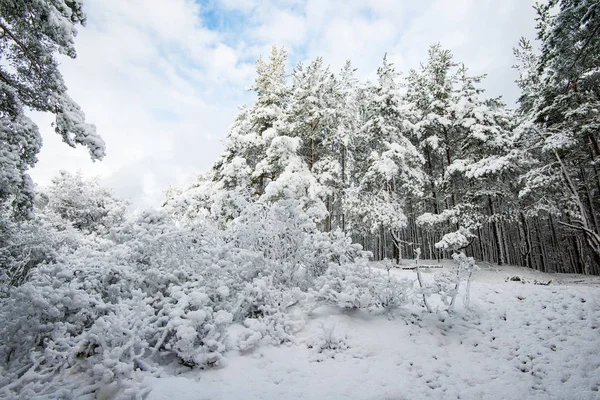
<point x="33" y="32"/>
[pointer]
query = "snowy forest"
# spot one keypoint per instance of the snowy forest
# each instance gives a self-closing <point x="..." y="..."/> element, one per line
<point x="328" y="188"/>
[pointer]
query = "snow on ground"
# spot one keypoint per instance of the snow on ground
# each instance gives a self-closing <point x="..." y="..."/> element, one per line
<point x="518" y="341"/>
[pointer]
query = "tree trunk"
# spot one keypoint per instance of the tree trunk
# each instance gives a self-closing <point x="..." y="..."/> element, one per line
<point x="528" y="246"/>
<point x="497" y="237"/>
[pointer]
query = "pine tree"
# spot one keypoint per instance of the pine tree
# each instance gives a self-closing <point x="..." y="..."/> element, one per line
<point x="346" y="139"/>
<point x="466" y="142"/>
<point x="32" y="33"/>
<point x="388" y="165"/>
<point x="430" y="90"/>
<point x="559" y="108"/>
<point x="314" y="115"/>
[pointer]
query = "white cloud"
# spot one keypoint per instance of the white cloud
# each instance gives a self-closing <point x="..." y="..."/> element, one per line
<point x="243" y="5"/>
<point x="146" y="73"/>
<point x="162" y="80"/>
<point x="283" y="28"/>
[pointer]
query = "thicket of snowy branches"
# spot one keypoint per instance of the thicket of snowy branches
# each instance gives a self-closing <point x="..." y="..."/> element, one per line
<point x="92" y="305"/>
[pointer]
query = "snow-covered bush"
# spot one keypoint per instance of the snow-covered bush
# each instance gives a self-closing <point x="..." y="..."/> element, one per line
<point x="328" y="343"/>
<point x="23" y="246"/>
<point x="159" y="293"/>
<point x="28" y="243"/>
<point x="357" y="285"/>
<point x="64" y="210"/>
<point x="292" y="246"/>
<point x="50" y="317"/>
<point x="82" y="203"/>
<point x="464" y="270"/>
<point x="154" y="289"/>
<point x="446" y="284"/>
<point x="268" y="315"/>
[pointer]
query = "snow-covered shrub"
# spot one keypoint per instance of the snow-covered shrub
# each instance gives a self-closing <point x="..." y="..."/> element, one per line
<point x="391" y="291"/>
<point x="197" y="318"/>
<point x="195" y="325"/>
<point x="159" y="293"/>
<point x="328" y="343"/>
<point x="28" y="243"/>
<point x="357" y="285"/>
<point x="464" y="270"/>
<point x="446" y="284"/>
<point x="290" y="242"/>
<point x="84" y="204"/>
<point x="152" y="290"/>
<point x="49" y="317"/>
<point x="267" y="314"/>
<point x="63" y="211"/>
<point x="24" y="246"/>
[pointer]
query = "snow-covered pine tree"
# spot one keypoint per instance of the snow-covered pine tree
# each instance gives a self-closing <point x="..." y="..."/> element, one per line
<point x="254" y="128"/>
<point x="313" y="117"/>
<point x="559" y="130"/>
<point x="267" y="115"/>
<point x="346" y="138"/>
<point x="466" y="142"/>
<point x="430" y="94"/>
<point x="540" y="191"/>
<point x="32" y="33"/>
<point x="242" y="172"/>
<point x="264" y="159"/>
<point x="388" y="166"/>
<point x="479" y="175"/>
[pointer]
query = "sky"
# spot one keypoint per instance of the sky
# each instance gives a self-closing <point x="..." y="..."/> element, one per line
<point x="162" y="79"/>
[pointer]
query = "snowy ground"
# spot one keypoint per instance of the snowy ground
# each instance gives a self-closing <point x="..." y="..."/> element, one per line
<point x="518" y="341"/>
